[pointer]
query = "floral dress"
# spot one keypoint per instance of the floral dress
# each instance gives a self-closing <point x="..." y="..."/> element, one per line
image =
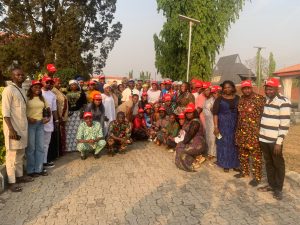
<point x="120" y="130"/>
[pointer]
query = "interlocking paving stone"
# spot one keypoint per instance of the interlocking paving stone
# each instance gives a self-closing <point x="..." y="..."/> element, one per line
<point x="143" y="187"/>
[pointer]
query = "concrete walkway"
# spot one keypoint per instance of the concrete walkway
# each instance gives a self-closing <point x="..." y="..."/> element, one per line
<point x="143" y="187"/>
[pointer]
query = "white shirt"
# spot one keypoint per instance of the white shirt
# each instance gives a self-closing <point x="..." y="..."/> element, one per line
<point x="126" y="94"/>
<point x="51" y="100"/>
<point x="153" y="96"/>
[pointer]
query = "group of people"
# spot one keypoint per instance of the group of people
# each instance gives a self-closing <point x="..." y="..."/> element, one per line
<point x="197" y="120"/>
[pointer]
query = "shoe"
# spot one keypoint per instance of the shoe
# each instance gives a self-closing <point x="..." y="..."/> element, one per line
<point x="265" y="188"/>
<point x="97" y="156"/>
<point x="277" y="195"/>
<point x="33" y="175"/>
<point x="254" y="183"/>
<point x="237" y="169"/>
<point x="49" y="165"/>
<point x="239" y="175"/>
<point x="43" y="173"/>
<point x="83" y="157"/>
<point x="171" y="150"/>
<point x="226" y="170"/>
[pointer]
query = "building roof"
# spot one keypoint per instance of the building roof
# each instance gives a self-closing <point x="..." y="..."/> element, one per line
<point x="289" y="71"/>
<point x="231" y="68"/>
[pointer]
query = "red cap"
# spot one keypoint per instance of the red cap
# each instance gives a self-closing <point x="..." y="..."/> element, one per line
<point x="272" y="82"/>
<point x="198" y="84"/>
<point x="35" y="82"/>
<point x="190" y="108"/>
<point x="194" y="80"/>
<point x="91" y="82"/>
<point x="46" y="78"/>
<point x="51" y="68"/>
<point x="215" y="88"/>
<point x="168" y="82"/>
<point x="154" y="82"/>
<point x="101" y="77"/>
<point x="246" y="83"/>
<point x="181" y="116"/>
<point x="167" y="97"/>
<point x="148" y="106"/>
<point x="140" y="110"/>
<point x="87" y="114"/>
<point x="144" y="94"/>
<point x="162" y="109"/>
<point x="56" y="79"/>
<point x="97" y="97"/>
<point x="206" y="85"/>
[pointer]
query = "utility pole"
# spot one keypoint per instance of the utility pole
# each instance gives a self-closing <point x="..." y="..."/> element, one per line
<point x="191" y="21"/>
<point x="259" y="67"/>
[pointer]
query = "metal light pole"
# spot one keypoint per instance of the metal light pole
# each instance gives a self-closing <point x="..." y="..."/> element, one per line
<point x="259" y="67"/>
<point x="191" y="23"/>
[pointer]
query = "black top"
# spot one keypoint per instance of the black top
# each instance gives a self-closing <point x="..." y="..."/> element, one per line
<point x="194" y="127"/>
<point x="231" y="102"/>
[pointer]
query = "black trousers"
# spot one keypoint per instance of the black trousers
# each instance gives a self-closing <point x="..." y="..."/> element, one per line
<point x="275" y="166"/>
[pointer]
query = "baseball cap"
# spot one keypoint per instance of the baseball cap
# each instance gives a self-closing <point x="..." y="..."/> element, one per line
<point x="97" y="97"/>
<point x="35" y="82"/>
<point x="181" y="116"/>
<point x="190" y="108"/>
<point x="215" y="88"/>
<point x="144" y="94"/>
<point x="46" y="78"/>
<point x="272" y="82"/>
<point x="140" y="110"/>
<point x="148" y="106"/>
<point x="87" y="114"/>
<point x="198" y="84"/>
<point x="206" y="85"/>
<point x="246" y="83"/>
<point x="162" y="109"/>
<point x="51" y="68"/>
<point x="167" y="97"/>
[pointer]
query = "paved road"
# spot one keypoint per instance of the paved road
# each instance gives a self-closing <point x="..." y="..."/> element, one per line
<point x="143" y="187"/>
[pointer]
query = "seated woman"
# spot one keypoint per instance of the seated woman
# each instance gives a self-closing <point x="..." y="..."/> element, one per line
<point x="119" y="133"/>
<point x="139" y="129"/>
<point x="90" y="136"/>
<point x="188" y="152"/>
<point x="172" y="141"/>
<point x="168" y="104"/>
<point x="172" y="128"/>
<point x="159" y="129"/>
<point x="97" y="109"/>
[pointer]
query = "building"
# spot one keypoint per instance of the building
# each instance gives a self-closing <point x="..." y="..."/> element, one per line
<point x="231" y="68"/>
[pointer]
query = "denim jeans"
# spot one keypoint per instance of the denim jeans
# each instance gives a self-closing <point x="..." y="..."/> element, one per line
<point x="35" y="149"/>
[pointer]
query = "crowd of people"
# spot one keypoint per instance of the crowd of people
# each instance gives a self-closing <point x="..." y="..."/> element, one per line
<point x="197" y="121"/>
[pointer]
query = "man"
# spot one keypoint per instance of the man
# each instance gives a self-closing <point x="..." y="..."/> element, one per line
<point x="90" y="137"/>
<point x="167" y="89"/>
<point x="197" y="87"/>
<point x="274" y="126"/>
<point x="15" y="129"/>
<point x="139" y="129"/>
<point x="49" y="127"/>
<point x="118" y="135"/>
<point x="250" y="108"/>
<point x="80" y="81"/>
<point x="51" y="70"/>
<point x="129" y="91"/>
<point x="91" y="90"/>
<point x="130" y="107"/>
<point x="101" y="83"/>
<point x="62" y="112"/>
<point x="139" y="87"/>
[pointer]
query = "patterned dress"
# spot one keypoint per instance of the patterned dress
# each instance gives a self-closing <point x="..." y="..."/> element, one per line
<point x="247" y="133"/>
<point x="209" y="127"/>
<point x="76" y="101"/>
<point x="227" y="153"/>
<point x="192" y="146"/>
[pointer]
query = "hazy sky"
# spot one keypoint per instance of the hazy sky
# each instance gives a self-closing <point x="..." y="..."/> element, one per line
<point x="273" y="24"/>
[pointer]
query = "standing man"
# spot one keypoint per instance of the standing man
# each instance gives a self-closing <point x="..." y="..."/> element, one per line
<point x="129" y="91"/>
<point x="101" y="83"/>
<point x="274" y="126"/>
<point x="49" y="127"/>
<point x="250" y="109"/>
<point x="15" y="128"/>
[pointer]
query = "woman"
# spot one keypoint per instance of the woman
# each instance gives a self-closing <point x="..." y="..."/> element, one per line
<point x="109" y="107"/>
<point x="201" y="99"/>
<point x="225" y="120"/>
<point x="154" y="93"/>
<point x="144" y="100"/>
<point x="139" y="129"/>
<point x="172" y="141"/>
<point x="184" y="98"/>
<point x="121" y="88"/>
<point x="188" y="152"/>
<point x="77" y="101"/>
<point x="91" y="91"/>
<point x="209" y="122"/>
<point x="97" y="109"/>
<point x="38" y="113"/>
<point x="160" y="126"/>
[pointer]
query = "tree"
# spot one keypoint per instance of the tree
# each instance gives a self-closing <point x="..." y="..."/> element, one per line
<point x="272" y="65"/>
<point x="171" y="45"/>
<point x="145" y="75"/>
<point x="70" y="33"/>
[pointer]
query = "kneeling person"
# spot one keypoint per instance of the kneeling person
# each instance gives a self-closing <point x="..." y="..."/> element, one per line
<point x="90" y="136"/>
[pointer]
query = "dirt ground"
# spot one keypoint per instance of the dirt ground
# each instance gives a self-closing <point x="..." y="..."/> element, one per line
<point x="292" y="149"/>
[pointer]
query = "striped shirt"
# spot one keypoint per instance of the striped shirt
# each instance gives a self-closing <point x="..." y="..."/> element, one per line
<point x="275" y="121"/>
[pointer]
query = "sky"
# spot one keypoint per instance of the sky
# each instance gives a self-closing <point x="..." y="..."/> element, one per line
<point x="273" y="24"/>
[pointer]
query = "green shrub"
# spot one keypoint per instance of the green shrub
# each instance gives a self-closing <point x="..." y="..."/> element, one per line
<point x="2" y="146"/>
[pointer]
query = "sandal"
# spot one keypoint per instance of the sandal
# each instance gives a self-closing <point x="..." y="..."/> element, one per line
<point x="33" y="175"/>
<point x="15" y="188"/>
<point x="265" y="188"/>
<point x="24" y="179"/>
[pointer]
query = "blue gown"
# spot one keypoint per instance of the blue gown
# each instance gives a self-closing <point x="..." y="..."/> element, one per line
<point x="227" y="153"/>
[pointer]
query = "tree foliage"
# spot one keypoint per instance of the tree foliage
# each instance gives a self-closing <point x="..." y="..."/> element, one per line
<point x="71" y="33"/>
<point x="145" y="75"/>
<point x="171" y="45"/>
<point x="272" y="65"/>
